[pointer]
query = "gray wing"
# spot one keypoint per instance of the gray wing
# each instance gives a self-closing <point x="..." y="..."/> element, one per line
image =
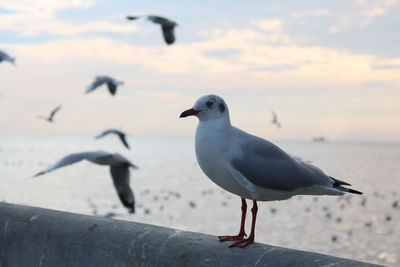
<point x="106" y="132"/>
<point x="159" y="20"/>
<point x="120" y="134"/>
<point x="123" y="140"/>
<point x="132" y="17"/>
<point x="6" y="57"/>
<point x="95" y="84"/>
<point x="168" y="33"/>
<point x="54" y="112"/>
<point x="112" y="87"/>
<point x="65" y="161"/>
<point x="121" y="178"/>
<point x="267" y="166"/>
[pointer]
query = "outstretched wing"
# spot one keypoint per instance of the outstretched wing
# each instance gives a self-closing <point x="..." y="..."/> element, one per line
<point x="65" y="161"/>
<point x="159" y="20"/>
<point x="132" y="17"/>
<point x="168" y="33"/>
<point x="106" y="132"/>
<point x="112" y="87"/>
<point x="123" y="140"/>
<point x="94" y="85"/>
<point x="54" y="112"/>
<point x="121" y="178"/>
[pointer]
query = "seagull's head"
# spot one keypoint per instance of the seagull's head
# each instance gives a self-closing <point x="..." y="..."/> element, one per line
<point x="208" y="107"/>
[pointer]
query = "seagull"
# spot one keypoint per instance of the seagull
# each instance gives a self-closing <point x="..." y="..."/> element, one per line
<point x="119" y="168"/>
<point x="51" y="116"/>
<point x="251" y="167"/>
<point x="100" y="80"/>
<point x="120" y="134"/>
<point x="6" y="57"/>
<point x="275" y="119"/>
<point x="167" y="26"/>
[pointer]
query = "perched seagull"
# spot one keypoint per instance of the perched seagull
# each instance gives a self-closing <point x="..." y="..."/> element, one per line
<point x="100" y="80"/>
<point x="275" y="119"/>
<point x="251" y="167"/>
<point x="6" y="57"/>
<point x="51" y="116"/>
<point x="167" y="26"/>
<point x="119" y="168"/>
<point x="120" y="134"/>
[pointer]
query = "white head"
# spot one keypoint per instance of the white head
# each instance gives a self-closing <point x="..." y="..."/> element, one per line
<point x="208" y="107"/>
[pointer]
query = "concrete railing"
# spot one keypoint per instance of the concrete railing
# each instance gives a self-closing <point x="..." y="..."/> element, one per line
<point x="32" y="236"/>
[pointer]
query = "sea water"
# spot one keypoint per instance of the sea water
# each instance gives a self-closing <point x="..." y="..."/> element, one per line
<point x="172" y="191"/>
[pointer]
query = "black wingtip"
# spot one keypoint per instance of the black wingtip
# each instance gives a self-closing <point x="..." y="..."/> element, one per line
<point x="339" y="184"/>
<point x="354" y="191"/>
<point x="132" y="17"/>
<point x="38" y="174"/>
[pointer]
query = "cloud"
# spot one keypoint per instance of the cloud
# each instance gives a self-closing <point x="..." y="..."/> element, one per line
<point x="257" y="59"/>
<point x="34" y="18"/>
<point x="269" y="25"/>
<point x="311" y="13"/>
<point x="365" y="13"/>
<point x="43" y="7"/>
<point x="387" y="64"/>
<point x="28" y="25"/>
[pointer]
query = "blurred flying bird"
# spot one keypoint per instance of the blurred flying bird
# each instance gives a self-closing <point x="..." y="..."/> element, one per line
<point x="120" y="134"/>
<point x="275" y="119"/>
<point x="167" y="26"/>
<point x="251" y="167"/>
<point x="119" y="168"/>
<point x="110" y="82"/>
<point x="51" y="116"/>
<point x="6" y="57"/>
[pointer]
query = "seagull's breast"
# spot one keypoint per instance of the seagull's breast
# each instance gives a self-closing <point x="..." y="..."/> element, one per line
<point x="213" y="152"/>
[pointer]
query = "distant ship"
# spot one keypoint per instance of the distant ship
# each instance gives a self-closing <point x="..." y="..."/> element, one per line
<point x="319" y="139"/>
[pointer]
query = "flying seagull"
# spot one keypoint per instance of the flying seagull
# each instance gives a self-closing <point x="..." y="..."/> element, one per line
<point x="120" y="134"/>
<point x="51" y="116"/>
<point x="167" y="26"/>
<point x="251" y="167"/>
<point x="119" y="168"/>
<point x="100" y="80"/>
<point x="275" y="119"/>
<point x="6" y="57"/>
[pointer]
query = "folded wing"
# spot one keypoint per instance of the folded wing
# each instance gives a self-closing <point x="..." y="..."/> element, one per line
<point x="267" y="166"/>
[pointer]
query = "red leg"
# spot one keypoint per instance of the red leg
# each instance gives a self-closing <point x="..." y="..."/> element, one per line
<point x="247" y="241"/>
<point x="242" y="233"/>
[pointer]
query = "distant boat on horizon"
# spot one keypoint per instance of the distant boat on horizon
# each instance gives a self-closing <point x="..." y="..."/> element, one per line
<point x="319" y="139"/>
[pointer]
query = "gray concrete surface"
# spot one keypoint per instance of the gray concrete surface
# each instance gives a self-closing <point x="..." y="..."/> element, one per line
<point x="31" y="236"/>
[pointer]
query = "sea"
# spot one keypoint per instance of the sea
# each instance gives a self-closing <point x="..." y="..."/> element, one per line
<point x="171" y="190"/>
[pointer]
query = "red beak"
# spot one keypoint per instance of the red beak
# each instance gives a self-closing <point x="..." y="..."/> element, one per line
<point x="189" y="112"/>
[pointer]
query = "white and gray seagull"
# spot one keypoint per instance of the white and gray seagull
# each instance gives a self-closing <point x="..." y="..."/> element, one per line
<point x="167" y="26"/>
<point x="50" y="118"/>
<point x="251" y="167"/>
<point x="6" y="57"/>
<point x="275" y="119"/>
<point x="120" y="134"/>
<point x="100" y="80"/>
<point x="119" y="168"/>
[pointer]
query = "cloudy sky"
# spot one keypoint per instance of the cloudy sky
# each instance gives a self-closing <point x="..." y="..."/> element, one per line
<point x="328" y="68"/>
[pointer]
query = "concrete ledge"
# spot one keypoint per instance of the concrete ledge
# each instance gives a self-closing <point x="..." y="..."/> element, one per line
<point x="32" y="236"/>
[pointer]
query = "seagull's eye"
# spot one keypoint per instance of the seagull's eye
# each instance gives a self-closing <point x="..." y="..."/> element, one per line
<point x="209" y="104"/>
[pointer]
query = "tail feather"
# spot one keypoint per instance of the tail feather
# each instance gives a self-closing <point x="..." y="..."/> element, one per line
<point x="338" y="184"/>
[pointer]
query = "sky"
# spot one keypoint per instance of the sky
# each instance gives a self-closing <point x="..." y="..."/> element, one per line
<point x="327" y="68"/>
